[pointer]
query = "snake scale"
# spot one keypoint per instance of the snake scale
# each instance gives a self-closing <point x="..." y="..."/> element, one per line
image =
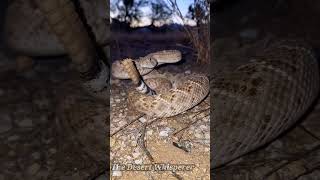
<point x="256" y="102"/>
<point x="170" y="100"/>
<point x="252" y="104"/>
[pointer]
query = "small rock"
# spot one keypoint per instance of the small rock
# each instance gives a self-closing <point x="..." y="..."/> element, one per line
<point x="187" y="72"/>
<point x="142" y="119"/>
<point x="138" y="161"/>
<point x="121" y="123"/>
<point x="116" y="173"/>
<point x="33" y="169"/>
<point x="136" y="154"/>
<point x="164" y="133"/>
<point x="128" y="157"/>
<point x="150" y="132"/>
<point x="133" y="143"/>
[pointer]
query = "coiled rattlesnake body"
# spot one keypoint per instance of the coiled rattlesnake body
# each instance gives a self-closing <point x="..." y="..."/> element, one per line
<point x="170" y="100"/>
<point x="261" y="99"/>
<point x="252" y="104"/>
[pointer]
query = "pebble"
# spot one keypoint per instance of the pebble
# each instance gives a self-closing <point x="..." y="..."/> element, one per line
<point x="128" y="157"/>
<point x="164" y="133"/>
<point x="142" y="119"/>
<point x="150" y="132"/>
<point x="187" y="72"/>
<point x="33" y="169"/>
<point x="136" y="154"/>
<point x="26" y="123"/>
<point x="121" y="123"/>
<point x="138" y="161"/>
<point x="133" y="143"/>
<point x="116" y="173"/>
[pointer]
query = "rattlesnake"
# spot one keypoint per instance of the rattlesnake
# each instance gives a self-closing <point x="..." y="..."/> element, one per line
<point x="170" y="100"/>
<point x="256" y="102"/>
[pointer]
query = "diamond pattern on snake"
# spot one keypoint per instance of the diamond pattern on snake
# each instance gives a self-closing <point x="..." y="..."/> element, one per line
<point x="175" y="94"/>
<point x="262" y="98"/>
<point x="174" y="105"/>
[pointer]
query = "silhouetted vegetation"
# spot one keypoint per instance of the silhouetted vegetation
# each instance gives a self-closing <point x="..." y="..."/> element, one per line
<point x="160" y="12"/>
<point x="129" y="11"/>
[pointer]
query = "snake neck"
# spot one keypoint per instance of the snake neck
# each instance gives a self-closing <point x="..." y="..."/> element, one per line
<point x="144" y="88"/>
